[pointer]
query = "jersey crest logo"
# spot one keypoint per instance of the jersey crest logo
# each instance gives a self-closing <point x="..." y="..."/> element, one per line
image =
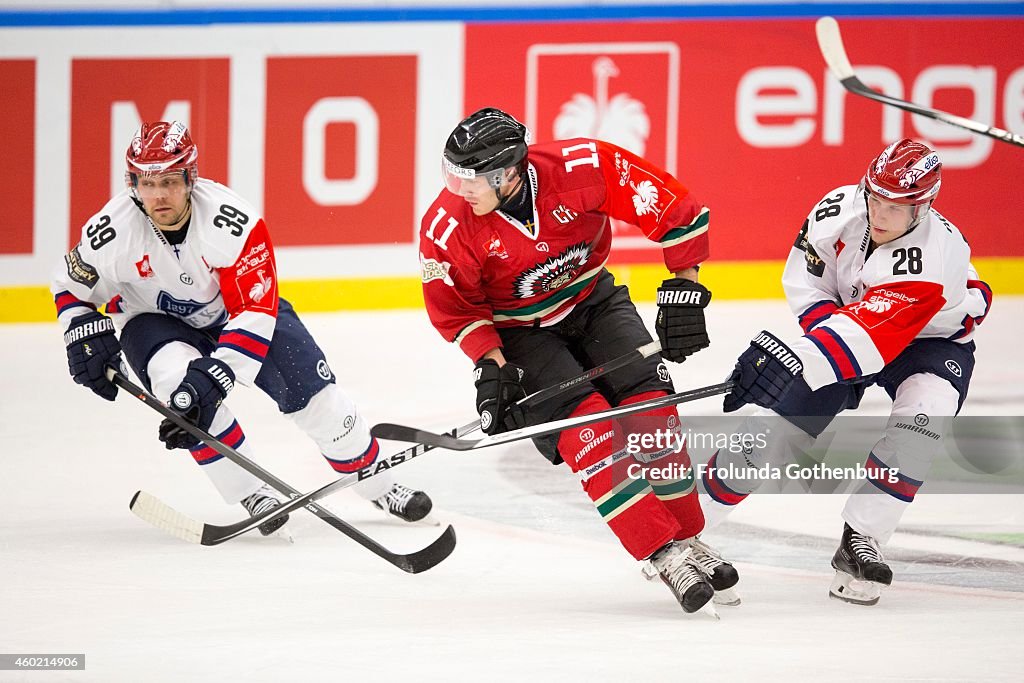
<point x="880" y="306"/>
<point x="554" y="273"/>
<point x="876" y="305"/>
<point x="202" y="317"/>
<point x="646" y="198"/>
<point x="564" y="215"/>
<point x="144" y="268"/>
<point x="263" y="285"/>
<point x="494" y="247"/>
<point x="647" y="190"/>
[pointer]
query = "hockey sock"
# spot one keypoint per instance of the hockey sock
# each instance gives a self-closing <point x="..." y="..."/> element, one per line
<point x="627" y="504"/>
<point x="677" y="490"/>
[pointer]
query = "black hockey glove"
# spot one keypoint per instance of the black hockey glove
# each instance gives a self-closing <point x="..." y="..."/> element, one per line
<point x="207" y="382"/>
<point x="680" y="322"/>
<point x="763" y="374"/>
<point x="497" y="390"/>
<point x="92" y="345"/>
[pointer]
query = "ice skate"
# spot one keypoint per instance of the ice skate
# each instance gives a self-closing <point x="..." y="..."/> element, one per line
<point x="861" y="571"/>
<point x="674" y="565"/>
<point x="720" y="574"/>
<point x="405" y="503"/>
<point x="262" y="500"/>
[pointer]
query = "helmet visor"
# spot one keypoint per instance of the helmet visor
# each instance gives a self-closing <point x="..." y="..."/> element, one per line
<point x="463" y="181"/>
<point x="166" y="184"/>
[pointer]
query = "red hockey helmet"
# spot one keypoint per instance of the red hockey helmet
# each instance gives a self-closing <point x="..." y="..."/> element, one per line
<point x="158" y="148"/>
<point x="906" y="172"/>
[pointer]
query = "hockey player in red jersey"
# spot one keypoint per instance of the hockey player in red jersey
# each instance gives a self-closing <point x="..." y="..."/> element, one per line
<point x="884" y="289"/>
<point x="186" y="270"/>
<point x="513" y="255"/>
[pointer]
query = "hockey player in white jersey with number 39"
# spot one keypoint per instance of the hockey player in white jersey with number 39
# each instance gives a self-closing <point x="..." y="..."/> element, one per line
<point x="884" y="290"/>
<point x="186" y="269"/>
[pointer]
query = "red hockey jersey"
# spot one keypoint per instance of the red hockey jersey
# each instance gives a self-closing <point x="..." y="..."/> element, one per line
<point x="485" y="271"/>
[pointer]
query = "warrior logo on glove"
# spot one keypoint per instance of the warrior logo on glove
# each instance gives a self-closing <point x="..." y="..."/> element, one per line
<point x="763" y="373"/>
<point x="682" y="330"/>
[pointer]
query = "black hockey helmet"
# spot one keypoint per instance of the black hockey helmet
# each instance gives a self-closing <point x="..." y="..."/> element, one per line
<point x="484" y="144"/>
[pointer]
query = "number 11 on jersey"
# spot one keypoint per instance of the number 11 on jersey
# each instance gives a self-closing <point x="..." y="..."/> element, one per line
<point x="452" y="223"/>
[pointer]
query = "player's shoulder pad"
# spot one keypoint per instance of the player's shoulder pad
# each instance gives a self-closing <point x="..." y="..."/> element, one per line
<point x="835" y="214"/>
<point x="449" y="213"/>
<point x="575" y="161"/>
<point x="222" y="220"/>
<point x="833" y="210"/>
<point x="936" y="250"/>
<point x="111" y="231"/>
<point x="824" y="227"/>
<point x="209" y="193"/>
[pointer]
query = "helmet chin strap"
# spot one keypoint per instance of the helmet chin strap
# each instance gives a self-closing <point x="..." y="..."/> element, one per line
<point x="516" y="193"/>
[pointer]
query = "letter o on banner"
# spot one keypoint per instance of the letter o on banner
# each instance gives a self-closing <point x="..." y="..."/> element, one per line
<point x="348" y="191"/>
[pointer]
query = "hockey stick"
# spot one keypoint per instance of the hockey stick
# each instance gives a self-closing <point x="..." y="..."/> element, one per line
<point x="163" y="516"/>
<point x="403" y="433"/>
<point x="416" y="562"/>
<point x="831" y="44"/>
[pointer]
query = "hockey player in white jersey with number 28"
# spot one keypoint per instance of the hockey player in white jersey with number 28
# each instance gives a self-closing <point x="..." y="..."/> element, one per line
<point x="884" y="290"/>
<point x="186" y="270"/>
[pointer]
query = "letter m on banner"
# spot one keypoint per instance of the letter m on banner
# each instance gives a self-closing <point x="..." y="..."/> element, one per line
<point x="125" y="119"/>
<point x="111" y="97"/>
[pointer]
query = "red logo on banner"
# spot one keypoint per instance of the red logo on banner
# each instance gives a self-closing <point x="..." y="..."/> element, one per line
<point x="339" y="150"/>
<point x="624" y="93"/>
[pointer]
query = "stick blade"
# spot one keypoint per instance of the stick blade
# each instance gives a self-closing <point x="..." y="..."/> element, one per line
<point x="830" y="42"/>
<point x="429" y="557"/>
<point x="153" y="510"/>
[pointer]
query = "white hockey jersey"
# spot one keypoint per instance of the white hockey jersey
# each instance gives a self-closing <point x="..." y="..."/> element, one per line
<point x="222" y="274"/>
<point x="859" y="310"/>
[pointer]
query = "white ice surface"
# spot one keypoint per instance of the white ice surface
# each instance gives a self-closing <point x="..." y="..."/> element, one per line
<point x="537" y="588"/>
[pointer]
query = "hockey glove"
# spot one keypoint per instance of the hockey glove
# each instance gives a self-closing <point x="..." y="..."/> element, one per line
<point x="497" y="390"/>
<point x="763" y="374"/>
<point x="680" y="322"/>
<point x="207" y="382"/>
<point x="91" y="345"/>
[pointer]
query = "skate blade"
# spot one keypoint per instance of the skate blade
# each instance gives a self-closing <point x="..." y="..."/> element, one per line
<point x="849" y="589"/>
<point x="283" y="534"/>
<point x="709" y="609"/>
<point x="729" y="597"/>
